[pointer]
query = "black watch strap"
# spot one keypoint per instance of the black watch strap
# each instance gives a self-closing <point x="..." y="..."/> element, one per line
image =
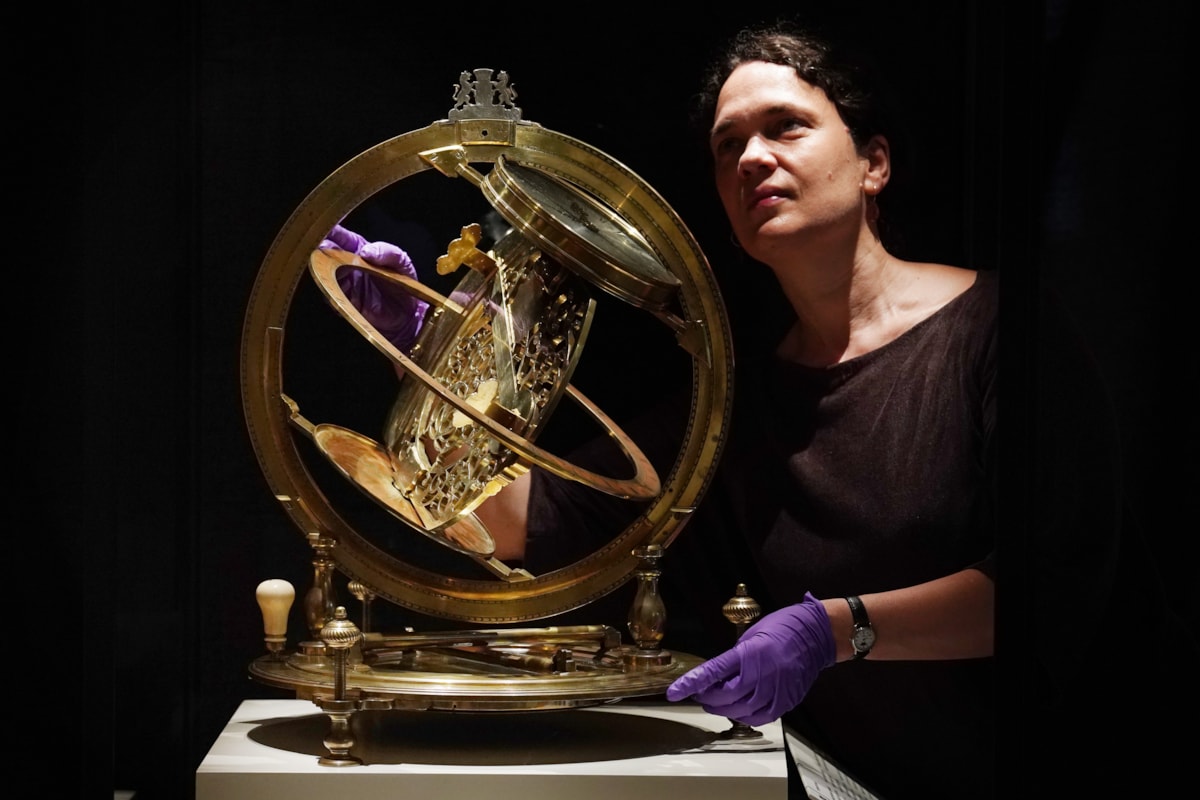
<point x="863" y="637"/>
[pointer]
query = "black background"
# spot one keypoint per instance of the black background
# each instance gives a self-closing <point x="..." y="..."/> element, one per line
<point x="161" y="150"/>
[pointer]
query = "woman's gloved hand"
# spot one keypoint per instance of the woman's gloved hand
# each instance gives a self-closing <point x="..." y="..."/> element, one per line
<point x="770" y="669"/>
<point x="392" y="311"/>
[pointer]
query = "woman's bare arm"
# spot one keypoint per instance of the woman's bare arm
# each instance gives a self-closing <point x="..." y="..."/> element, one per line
<point x="946" y="618"/>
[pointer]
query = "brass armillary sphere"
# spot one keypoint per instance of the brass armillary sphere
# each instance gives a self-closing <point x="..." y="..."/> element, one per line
<point x="494" y="358"/>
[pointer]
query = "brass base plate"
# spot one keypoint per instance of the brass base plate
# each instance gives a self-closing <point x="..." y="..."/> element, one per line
<point x="442" y="680"/>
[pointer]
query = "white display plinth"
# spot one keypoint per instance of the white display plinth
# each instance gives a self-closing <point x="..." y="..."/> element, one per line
<point x="649" y="751"/>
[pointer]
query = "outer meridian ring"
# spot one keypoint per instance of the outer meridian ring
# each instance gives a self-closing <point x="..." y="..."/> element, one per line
<point x="268" y="414"/>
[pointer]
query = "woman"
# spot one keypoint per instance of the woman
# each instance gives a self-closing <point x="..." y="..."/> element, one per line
<point x="862" y="471"/>
<point x="869" y="430"/>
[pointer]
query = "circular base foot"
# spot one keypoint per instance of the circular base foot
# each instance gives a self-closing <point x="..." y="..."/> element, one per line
<point x="740" y="732"/>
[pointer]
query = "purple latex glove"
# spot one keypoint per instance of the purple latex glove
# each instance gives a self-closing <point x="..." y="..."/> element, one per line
<point x="391" y="310"/>
<point x="768" y="671"/>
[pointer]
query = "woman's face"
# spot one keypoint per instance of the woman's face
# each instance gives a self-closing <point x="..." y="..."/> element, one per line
<point x="787" y="169"/>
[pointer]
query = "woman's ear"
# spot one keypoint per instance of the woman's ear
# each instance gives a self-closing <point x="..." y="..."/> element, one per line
<point x="878" y="155"/>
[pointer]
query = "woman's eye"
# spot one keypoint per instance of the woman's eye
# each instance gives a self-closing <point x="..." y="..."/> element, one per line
<point x="725" y="146"/>
<point x="790" y="125"/>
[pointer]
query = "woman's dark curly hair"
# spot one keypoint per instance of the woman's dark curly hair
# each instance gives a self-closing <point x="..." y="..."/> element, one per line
<point x="837" y="65"/>
<point x="818" y="56"/>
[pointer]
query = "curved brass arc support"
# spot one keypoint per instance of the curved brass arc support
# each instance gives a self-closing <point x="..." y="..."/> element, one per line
<point x="642" y="486"/>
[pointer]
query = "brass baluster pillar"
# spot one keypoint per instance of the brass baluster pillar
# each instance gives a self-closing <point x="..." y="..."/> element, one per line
<point x="648" y="614"/>
<point x="319" y="600"/>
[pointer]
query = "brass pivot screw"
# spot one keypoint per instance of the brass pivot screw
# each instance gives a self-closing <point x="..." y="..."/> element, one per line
<point x="339" y="635"/>
<point x="741" y="610"/>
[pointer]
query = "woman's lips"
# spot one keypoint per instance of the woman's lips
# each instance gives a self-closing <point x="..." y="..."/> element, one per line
<point x="763" y="196"/>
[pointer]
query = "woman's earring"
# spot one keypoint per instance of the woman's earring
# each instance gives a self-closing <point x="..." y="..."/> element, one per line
<point x="872" y="209"/>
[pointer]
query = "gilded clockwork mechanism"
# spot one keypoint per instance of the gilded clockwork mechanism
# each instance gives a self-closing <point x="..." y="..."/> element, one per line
<point x="497" y="358"/>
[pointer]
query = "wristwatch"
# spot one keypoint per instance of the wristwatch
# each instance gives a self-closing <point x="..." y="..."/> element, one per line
<point x="862" y="639"/>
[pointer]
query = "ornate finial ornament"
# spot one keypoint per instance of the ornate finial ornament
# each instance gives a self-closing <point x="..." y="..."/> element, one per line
<point x="340" y="633"/>
<point x="479" y="96"/>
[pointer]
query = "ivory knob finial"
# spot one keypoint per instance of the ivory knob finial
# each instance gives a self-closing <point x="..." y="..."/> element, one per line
<point x="275" y="598"/>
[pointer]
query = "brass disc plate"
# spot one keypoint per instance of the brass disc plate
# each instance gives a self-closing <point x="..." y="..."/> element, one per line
<point x="582" y="233"/>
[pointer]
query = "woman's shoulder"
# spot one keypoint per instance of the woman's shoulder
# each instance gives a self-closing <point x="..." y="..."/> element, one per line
<point x="938" y="284"/>
<point x="935" y="289"/>
<point x="961" y="305"/>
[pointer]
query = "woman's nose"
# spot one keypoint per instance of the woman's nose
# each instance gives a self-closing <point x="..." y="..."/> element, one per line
<point x="755" y="155"/>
